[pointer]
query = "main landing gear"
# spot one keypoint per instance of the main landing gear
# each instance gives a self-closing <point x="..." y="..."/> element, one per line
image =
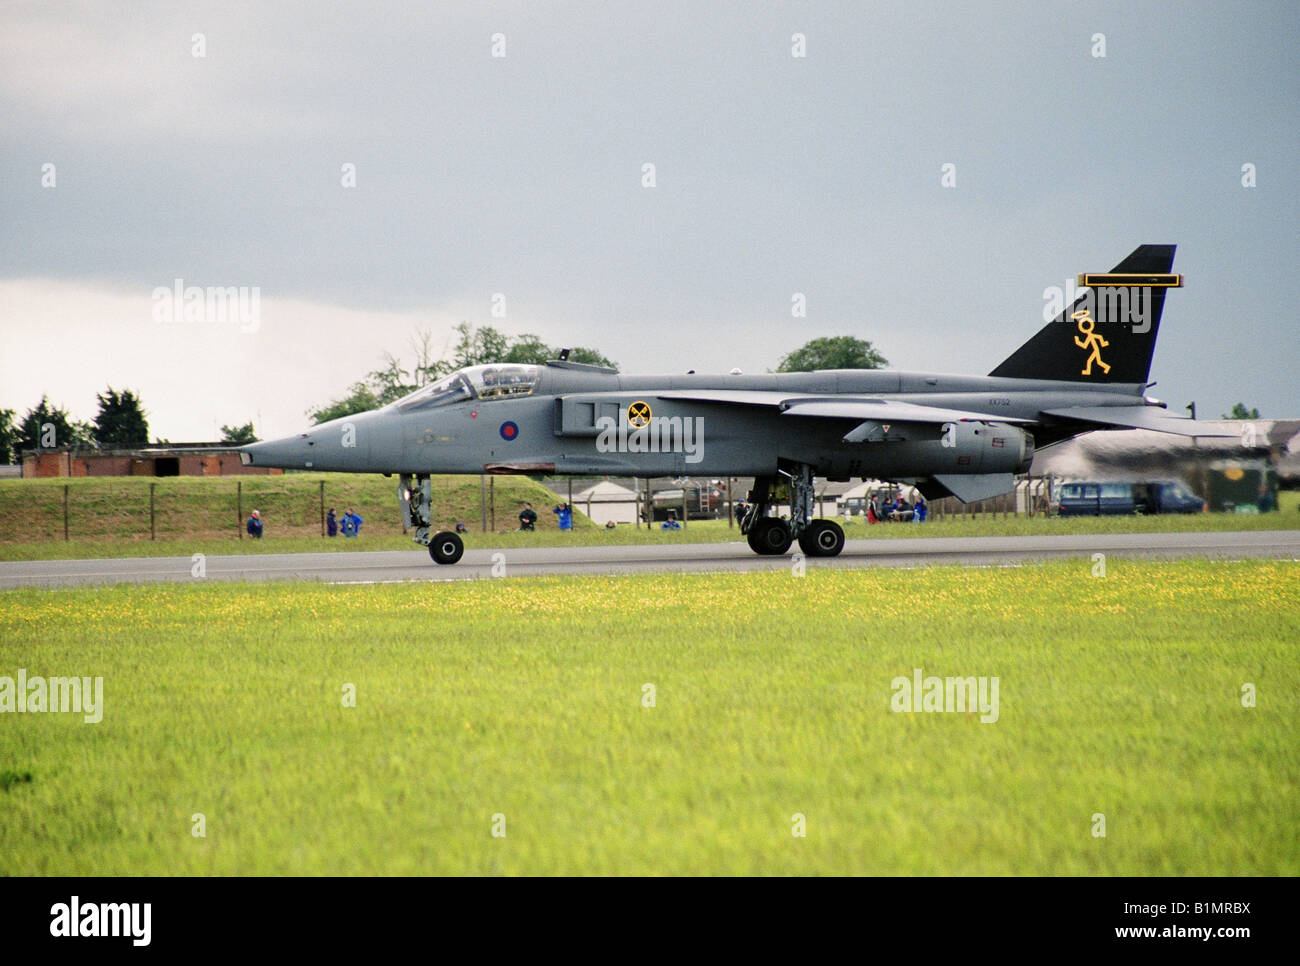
<point x="416" y="496"/>
<point x="772" y="535"/>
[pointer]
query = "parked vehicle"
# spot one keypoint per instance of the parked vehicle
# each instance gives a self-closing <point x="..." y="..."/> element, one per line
<point x="1241" y="486"/>
<point x="703" y="502"/>
<point x="1121" y="499"/>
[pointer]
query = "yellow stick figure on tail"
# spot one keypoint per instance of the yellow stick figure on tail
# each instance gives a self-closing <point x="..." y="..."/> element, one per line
<point x="1091" y="341"/>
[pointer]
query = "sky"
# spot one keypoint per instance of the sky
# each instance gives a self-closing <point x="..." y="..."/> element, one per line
<point x="372" y="170"/>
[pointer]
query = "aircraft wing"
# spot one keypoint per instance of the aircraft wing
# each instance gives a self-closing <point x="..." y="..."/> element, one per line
<point x="1137" y="417"/>
<point x="838" y="407"/>
<point x="890" y="411"/>
<point x="739" y="397"/>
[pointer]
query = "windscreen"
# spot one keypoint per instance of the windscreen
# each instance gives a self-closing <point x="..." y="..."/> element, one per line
<point x="444" y="392"/>
<point x="484" y="382"/>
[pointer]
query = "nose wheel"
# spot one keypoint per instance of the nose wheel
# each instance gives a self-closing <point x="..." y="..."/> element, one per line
<point x="415" y="494"/>
<point x="446" y="547"/>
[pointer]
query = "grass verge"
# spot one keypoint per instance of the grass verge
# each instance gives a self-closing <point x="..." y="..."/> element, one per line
<point x="525" y="701"/>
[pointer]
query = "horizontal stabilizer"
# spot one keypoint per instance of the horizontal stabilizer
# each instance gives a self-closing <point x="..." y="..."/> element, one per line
<point x="974" y="487"/>
<point x="1138" y="417"/>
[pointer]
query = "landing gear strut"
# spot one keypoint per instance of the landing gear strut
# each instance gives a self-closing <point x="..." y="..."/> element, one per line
<point x="771" y="535"/>
<point x="416" y="496"/>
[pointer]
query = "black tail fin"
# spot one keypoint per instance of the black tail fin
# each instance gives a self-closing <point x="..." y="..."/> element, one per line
<point x="1106" y="336"/>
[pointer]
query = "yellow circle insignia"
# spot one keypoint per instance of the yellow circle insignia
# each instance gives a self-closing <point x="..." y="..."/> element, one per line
<point x="638" y="414"/>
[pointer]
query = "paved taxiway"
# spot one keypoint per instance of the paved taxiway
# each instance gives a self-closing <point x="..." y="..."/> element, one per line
<point x="404" y="565"/>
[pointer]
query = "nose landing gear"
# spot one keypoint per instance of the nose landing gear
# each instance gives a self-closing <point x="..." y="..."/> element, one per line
<point x="446" y="547"/>
<point x="416" y="496"/>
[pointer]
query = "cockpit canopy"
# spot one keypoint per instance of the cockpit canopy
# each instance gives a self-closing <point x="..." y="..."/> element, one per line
<point x="473" y="382"/>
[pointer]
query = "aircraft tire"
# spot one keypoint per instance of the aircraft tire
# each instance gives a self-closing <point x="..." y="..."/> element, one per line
<point x="446" y="547"/>
<point x="770" y="537"/>
<point x="823" y="538"/>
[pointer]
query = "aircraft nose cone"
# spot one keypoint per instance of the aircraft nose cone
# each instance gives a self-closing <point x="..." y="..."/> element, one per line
<point x="283" y="453"/>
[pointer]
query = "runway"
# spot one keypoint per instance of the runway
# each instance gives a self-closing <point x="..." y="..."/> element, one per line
<point x="414" y="565"/>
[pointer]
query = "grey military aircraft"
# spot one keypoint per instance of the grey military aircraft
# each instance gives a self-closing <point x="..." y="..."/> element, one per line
<point x="965" y="436"/>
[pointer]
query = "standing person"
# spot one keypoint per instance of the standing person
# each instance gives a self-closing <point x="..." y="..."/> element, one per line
<point x="351" y="524"/>
<point x="527" y="517"/>
<point x="873" y="510"/>
<point x="255" y="526"/>
<point x="920" y="509"/>
<point x="565" y="514"/>
<point x="1265" y="501"/>
<point x="331" y="524"/>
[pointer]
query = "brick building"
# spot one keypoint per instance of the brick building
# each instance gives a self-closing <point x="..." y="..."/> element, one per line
<point x="180" y="459"/>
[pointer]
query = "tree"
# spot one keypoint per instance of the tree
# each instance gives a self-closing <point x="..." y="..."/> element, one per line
<point x="48" y="427"/>
<point x="240" y="435"/>
<point x="1239" y="411"/>
<point x="390" y="383"/>
<point x="361" y="399"/>
<point x="833" y="352"/>
<point x="591" y="357"/>
<point x="121" y="420"/>
<point x="83" y="435"/>
<point x="528" y="350"/>
<point x="8" y="436"/>
<point x="478" y="347"/>
<point x="486" y="345"/>
<point x="428" y="368"/>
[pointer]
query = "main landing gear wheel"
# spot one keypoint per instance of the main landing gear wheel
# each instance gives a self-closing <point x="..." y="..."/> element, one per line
<point x="770" y="537"/>
<point x="446" y="547"/>
<point x="823" y="538"/>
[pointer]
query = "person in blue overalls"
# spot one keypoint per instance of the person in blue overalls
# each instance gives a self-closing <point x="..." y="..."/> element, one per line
<point x="565" y="514"/>
<point x="351" y="524"/>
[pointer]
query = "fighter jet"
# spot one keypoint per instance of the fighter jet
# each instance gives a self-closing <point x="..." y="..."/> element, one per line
<point x="964" y="436"/>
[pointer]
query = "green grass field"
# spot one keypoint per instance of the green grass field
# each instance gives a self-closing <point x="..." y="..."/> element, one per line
<point x="524" y="699"/>
<point x="116" y="508"/>
<point x="109" y="517"/>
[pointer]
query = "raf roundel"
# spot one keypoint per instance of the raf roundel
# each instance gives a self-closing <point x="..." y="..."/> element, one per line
<point x="509" y="431"/>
